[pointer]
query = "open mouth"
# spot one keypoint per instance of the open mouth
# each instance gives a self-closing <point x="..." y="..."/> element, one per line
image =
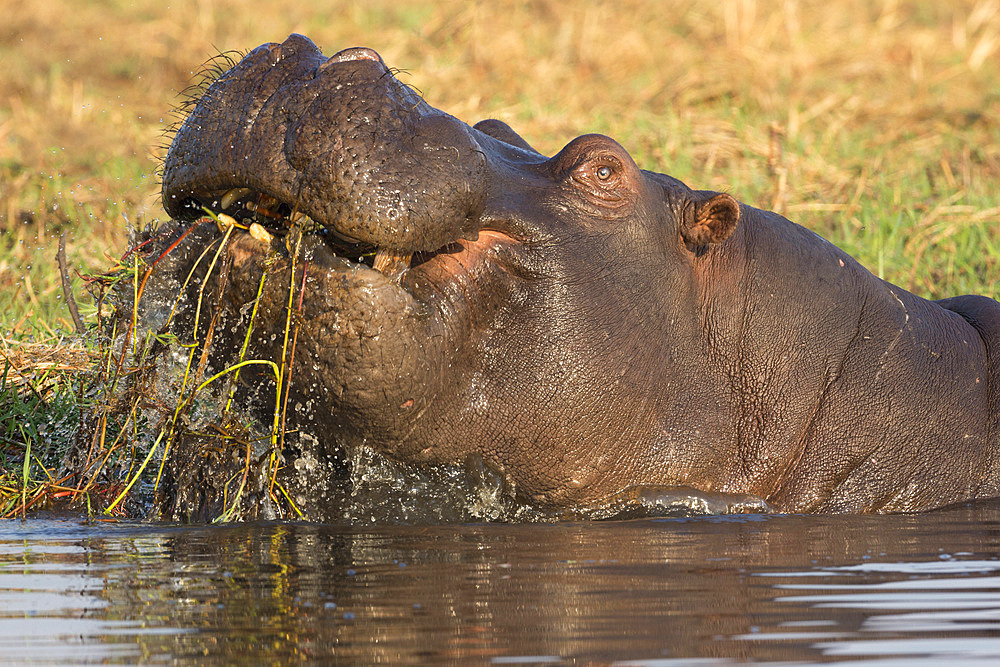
<point x="250" y="207"/>
<point x="336" y="147"/>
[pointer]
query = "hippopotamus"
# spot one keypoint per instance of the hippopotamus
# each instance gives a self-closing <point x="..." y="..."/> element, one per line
<point x="581" y="326"/>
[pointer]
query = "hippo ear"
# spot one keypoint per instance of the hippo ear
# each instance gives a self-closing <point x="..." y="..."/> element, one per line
<point x="712" y="221"/>
<point x="502" y="131"/>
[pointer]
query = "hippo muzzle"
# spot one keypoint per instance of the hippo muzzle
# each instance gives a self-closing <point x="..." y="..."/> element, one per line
<point x="396" y="192"/>
<point x="289" y="132"/>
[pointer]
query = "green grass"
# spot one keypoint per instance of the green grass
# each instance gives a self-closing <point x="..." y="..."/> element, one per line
<point x="874" y="124"/>
<point x="39" y="416"/>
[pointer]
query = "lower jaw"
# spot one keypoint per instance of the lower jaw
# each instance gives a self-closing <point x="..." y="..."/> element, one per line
<point x="260" y="212"/>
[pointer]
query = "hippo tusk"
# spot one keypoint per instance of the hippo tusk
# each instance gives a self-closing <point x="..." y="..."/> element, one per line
<point x="233" y="196"/>
<point x="261" y="234"/>
<point x="392" y="264"/>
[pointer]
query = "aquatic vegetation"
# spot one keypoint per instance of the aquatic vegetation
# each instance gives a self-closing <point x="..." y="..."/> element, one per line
<point x="41" y="385"/>
<point x="96" y="425"/>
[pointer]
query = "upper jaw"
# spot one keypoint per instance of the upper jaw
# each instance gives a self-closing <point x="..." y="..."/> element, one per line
<point x="288" y="132"/>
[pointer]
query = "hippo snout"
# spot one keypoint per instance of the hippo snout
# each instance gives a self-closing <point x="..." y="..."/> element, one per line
<point x="292" y="133"/>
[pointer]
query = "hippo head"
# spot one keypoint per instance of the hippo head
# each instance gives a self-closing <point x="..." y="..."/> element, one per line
<point x="462" y="295"/>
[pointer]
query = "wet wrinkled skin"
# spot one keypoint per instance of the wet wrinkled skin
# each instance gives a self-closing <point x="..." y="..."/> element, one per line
<point x="581" y="326"/>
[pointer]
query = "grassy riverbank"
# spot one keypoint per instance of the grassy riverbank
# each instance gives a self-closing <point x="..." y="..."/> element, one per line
<point x="876" y="124"/>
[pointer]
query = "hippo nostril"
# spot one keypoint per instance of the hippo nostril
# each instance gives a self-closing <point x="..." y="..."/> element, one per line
<point x="356" y="53"/>
<point x="274" y="54"/>
<point x="349" y="55"/>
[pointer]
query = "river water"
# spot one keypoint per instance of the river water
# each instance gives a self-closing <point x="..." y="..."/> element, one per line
<point x="874" y="590"/>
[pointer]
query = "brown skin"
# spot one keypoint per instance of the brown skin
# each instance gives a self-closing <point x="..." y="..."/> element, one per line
<point x="586" y="326"/>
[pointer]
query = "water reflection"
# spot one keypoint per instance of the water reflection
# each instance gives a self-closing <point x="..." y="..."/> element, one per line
<point x="888" y="590"/>
<point x="53" y="602"/>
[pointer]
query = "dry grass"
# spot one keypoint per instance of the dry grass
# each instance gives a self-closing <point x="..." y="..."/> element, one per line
<point x="37" y="365"/>
<point x="850" y="116"/>
<point x="875" y="123"/>
<point x="38" y="417"/>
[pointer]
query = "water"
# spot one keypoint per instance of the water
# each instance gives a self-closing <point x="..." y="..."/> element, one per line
<point x="891" y="590"/>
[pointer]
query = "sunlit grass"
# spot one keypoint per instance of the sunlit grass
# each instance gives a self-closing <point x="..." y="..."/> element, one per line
<point x="41" y="388"/>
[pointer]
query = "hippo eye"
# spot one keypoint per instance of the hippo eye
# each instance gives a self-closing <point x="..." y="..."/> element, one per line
<point x="602" y="179"/>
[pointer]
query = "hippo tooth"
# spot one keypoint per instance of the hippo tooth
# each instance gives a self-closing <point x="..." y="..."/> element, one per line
<point x="267" y="201"/>
<point x="230" y="197"/>
<point x="260" y="233"/>
<point x="266" y="206"/>
<point x="223" y="221"/>
<point x="391" y="264"/>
